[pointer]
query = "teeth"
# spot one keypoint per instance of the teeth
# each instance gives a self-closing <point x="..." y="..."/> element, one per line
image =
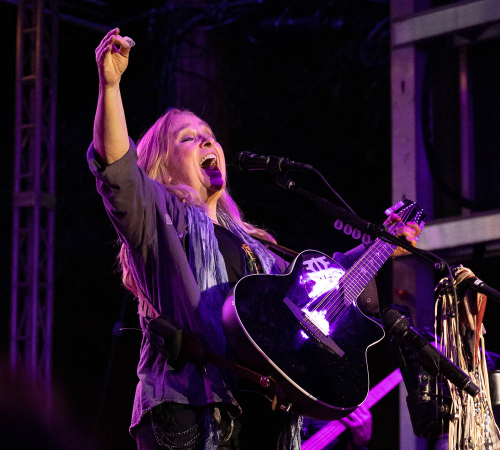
<point x="209" y="156"/>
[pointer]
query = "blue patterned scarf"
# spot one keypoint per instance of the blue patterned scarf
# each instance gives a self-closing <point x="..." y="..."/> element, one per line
<point x="209" y="270"/>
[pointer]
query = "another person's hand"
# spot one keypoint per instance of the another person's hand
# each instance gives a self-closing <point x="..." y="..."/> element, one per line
<point x="111" y="60"/>
<point x="360" y="425"/>
<point x="410" y="231"/>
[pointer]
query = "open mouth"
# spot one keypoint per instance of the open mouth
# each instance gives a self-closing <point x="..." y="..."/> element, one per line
<point x="209" y="162"/>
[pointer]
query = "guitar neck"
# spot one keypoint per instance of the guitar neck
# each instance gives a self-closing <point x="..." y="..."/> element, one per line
<point x="364" y="269"/>
<point x="380" y="390"/>
<point x="334" y="429"/>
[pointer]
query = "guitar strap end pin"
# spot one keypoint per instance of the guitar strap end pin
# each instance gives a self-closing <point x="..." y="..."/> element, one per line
<point x="265" y="381"/>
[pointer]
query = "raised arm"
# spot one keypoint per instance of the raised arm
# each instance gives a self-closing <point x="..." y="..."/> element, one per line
<point x="110" y="128"/>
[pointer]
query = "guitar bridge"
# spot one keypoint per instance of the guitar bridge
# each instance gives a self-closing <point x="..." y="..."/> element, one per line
<point x="313" y="329"/>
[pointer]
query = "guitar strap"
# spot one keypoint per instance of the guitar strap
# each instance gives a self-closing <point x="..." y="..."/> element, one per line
<point x="182" y="347"/>
<point x="280" y="248"/>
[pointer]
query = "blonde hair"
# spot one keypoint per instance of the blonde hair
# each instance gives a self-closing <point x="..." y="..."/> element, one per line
<point x="153" y="150"/>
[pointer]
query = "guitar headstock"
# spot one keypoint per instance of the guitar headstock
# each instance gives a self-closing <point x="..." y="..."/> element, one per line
<point x="409" y="211"/>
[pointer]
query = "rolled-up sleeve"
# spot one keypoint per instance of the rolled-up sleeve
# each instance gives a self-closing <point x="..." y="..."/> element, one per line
<point x="127" y="193"/>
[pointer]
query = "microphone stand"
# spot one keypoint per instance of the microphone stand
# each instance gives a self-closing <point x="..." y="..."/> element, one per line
<point x="428" y="410"/>
<point x="358" y="222"/>
<point x="367" y="227"/>
<point x="379" y="231"/>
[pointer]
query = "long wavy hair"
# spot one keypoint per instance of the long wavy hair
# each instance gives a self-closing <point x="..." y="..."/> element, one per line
<point x="153" y="151"/>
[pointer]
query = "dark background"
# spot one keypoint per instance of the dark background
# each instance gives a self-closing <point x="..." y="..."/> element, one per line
<point x="317" y="93"/>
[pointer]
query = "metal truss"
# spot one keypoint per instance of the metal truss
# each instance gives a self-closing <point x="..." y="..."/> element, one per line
<point x="34" y="190"/>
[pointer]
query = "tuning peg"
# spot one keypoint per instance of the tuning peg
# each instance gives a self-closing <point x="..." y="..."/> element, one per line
<point x="366" y="239"/>
<point x="348" y="229"/>
<point x="356" y="234"/>
<point x="338" y="224"/>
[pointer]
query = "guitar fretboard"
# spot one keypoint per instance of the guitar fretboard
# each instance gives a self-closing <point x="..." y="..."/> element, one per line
<point x="333" y="429"/>
<point x="364" y="269"/>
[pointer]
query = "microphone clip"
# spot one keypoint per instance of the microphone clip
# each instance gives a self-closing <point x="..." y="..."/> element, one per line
<point x="284" y="182"/>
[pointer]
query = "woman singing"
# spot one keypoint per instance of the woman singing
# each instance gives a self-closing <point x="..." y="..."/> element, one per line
<point x="183" y="245"/>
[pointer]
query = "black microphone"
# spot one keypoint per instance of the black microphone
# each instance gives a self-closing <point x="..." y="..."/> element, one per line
<point x="247" y="161"/>
<point x="481" y="287"/>
<point x="431" y="359"/>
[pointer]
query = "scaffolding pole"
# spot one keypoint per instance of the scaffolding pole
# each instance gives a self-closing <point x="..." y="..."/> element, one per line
<point x="32" y="274"/>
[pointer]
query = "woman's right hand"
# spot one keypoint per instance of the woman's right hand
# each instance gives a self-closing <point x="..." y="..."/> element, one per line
<point x="111" y="61"/>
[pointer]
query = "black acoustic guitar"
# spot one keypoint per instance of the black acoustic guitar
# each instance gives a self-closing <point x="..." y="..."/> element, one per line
<point x="304" y="328"/>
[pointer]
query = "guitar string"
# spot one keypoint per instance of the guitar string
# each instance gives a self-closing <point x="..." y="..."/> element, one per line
<point x="347" y="277"/>
<point x="348" y="298"/>
<point x="340" y="307"/>
<point x="333" y="429"/>
<point x="333" y="296"/>
<point x="376" y="257"/>
<point x="346" y="294"/>
<point x="372" y="254"/>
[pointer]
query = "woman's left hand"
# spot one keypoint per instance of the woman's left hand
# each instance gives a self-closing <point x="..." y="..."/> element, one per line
<point x="410" y="231"/>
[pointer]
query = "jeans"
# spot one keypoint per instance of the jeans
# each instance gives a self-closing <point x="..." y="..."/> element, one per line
<point x="173" y="426"/>
<point x="176" y="426"/>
